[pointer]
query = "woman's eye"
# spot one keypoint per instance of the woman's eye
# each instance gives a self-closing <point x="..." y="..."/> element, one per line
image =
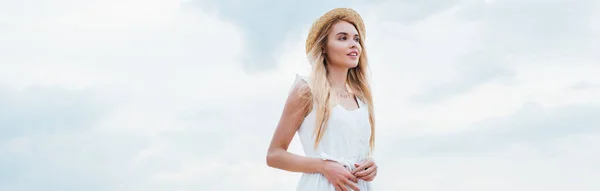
<point x="357" y="39"/>
<point x="343" y="38"/>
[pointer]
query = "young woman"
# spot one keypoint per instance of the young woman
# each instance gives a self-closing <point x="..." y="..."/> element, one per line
<point x="331" y="110"/>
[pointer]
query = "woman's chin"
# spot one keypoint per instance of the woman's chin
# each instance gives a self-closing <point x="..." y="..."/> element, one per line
<point x="352" y="65"/>
<point x="348" y="64"/>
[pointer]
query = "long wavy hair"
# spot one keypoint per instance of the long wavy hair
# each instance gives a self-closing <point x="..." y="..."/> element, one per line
<point x="357" y="80"/>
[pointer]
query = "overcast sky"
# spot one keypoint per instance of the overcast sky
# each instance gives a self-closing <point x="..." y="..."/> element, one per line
<point x="151" y="95"/>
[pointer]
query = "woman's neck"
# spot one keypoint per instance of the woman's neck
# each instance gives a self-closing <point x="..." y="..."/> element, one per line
<point x="337" y="76"/>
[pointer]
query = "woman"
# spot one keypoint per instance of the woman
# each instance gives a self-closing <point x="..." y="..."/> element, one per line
<point x="331" y="110"/>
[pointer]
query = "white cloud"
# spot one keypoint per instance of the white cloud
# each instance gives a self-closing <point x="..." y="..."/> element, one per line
<point x="418" y="60"/>
<point x="570" y="165"/>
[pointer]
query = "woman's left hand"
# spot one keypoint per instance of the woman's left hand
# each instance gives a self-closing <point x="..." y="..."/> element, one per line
<point x="366" y="170"/>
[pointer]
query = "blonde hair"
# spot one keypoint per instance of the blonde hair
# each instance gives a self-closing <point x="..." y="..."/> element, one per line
<point x="319" y="94"/>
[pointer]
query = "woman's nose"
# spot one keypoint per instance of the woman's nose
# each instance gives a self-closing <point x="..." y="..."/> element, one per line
<point x="353" y="44"/>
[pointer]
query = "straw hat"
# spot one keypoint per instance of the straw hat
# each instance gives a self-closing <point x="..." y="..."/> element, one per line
<point x="337" y="13"/>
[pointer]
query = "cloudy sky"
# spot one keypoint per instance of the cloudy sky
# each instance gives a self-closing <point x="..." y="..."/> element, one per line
<point x="185" y="94"/>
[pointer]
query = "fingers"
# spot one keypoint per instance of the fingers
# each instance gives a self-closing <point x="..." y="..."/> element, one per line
<point x="370" y="177"/>
<point x="351" y="177"/>
<point x="369" y="170"/>
<point x="356" y="169"/>
<point x="343" y="187"/>
<point x="363" y="166"/>
<point x="352" y="185"/>
<point x="338" y="188"/>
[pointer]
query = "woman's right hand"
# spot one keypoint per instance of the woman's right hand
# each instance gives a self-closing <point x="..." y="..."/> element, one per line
<point x="339" y="176"/>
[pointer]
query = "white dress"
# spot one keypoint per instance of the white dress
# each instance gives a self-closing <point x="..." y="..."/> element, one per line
<point x="346" y="141"/>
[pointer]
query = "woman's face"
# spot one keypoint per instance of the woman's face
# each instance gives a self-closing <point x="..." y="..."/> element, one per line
<point x="343" y="48"/>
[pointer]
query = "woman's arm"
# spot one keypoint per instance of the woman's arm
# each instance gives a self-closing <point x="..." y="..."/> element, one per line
<point x="294" y="111"/>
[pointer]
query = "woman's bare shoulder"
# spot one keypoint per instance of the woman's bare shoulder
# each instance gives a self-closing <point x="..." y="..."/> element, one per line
<point x="299" y="97"/>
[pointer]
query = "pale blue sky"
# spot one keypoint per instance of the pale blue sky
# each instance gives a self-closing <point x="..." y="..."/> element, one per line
<point x="184" y="95"/>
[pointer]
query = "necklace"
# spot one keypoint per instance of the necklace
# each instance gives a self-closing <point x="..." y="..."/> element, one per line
<point x="343" y="93"/>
